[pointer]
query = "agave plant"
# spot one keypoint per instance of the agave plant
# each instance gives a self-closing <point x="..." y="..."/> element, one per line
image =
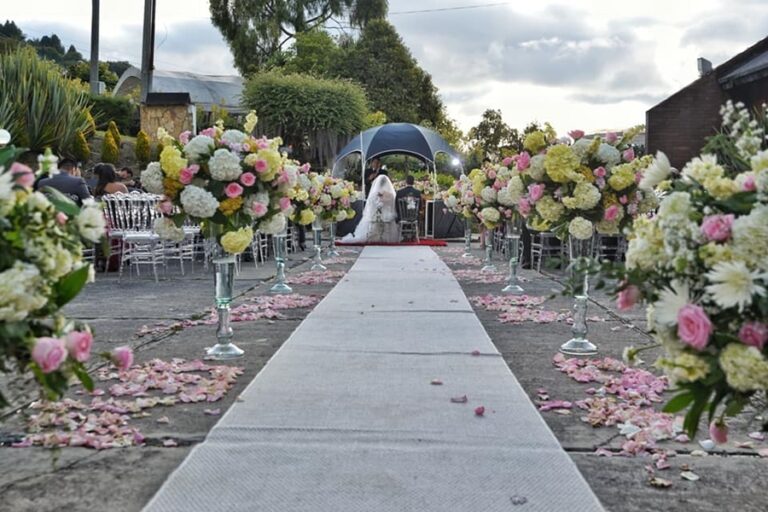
<point x="38" y="105"/>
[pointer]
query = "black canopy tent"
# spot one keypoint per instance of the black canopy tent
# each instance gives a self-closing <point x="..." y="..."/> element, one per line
<point x="397" y="138"/>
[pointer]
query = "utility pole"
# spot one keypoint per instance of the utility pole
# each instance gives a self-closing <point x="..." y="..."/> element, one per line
<point x="148" y="48"/>
<point x="95" y="47"/>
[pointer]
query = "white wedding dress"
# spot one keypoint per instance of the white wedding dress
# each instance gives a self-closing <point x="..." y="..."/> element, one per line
<point x="379" y="221"/>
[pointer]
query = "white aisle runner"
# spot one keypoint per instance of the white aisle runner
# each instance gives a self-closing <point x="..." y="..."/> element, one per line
<point x="344" y="418"/>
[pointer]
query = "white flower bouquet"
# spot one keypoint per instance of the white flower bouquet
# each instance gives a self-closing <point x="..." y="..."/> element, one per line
<point x="332" y="198"/>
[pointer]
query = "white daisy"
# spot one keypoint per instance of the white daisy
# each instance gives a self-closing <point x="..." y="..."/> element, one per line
<point x="658" y="171"/>
<point x="670" y="302"/>
<point x="733" y="284"/>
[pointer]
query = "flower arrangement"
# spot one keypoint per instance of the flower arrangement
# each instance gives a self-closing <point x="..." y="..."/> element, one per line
<point x="332" y="198"/>
<point x="592" y="184"/>
<point x="701" y="266"/>
<point x="302" y="196"/>
<point x="227" y="180"/>
<point x="459" y="197"/>
<point x="496" y="190"/>
<point x="41" y="270"/>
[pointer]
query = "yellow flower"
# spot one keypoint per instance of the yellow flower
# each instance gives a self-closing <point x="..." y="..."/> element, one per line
<point x="307" y="217"/>
<point x="230" y="205"/>
<point x="172" y="162"/>
<point x="685" y="367"/>
<point x="535" y="142"/>
<point x="250" y="122"/>
<point x="274" y="163"/>
<point x="713" y="253"/>
<point x="549" y="209"/>
<point x="164" y="137"/>
<point x="171" y="187"/>
<point x="235" y="242"/>
<point x="622" y="176"/>
<point x="540" y="224"/>
<point x="562" y="164"/>
<point x="721" y="188"/>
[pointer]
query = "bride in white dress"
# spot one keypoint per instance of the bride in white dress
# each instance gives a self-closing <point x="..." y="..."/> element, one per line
<point x="379" y="221"/>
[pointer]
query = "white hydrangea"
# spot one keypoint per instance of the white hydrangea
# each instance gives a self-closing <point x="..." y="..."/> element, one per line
<point x="537" y="170"/>
<point x="703" y="168"/>
<point x="746" y="369"/>
<point x="750" y="237"/>
<point x="260" y="198"/>
<point x="491" y="215"/>
<point x="38" y="201"/>
<point x="761" y="184"/>
<point x="608" y="154"/>
<point x="224" y="165"/>
<point x="336" y="190"/>
<point x="273" y="225"/>
<point x="580" y="228"/>
<point x="167" y="229"/>
<point x="304" y="182"/>
<point x="489" y="195"/>
<point x="341" y="215"/>
<point x="233" y="137"/>
<point x="585" y="197"/>
<point x="7" y="196"/>
<point x="676" y="207"/>
<point x="198" y="147"/>
<point x="657" y="172"/>
<point x="20" y="292"/>
<point x="451" y="202"/>
<point x="580" y="147"/>
<point x="325" y="199"/>
<point x="152" y="178"/>
<point x="198" y="202"/>
<point x="759" y="161"/>
<point x="91" y="223"/>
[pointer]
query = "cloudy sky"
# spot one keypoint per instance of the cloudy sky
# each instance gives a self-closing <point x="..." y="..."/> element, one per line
<point x="589" y="64"/>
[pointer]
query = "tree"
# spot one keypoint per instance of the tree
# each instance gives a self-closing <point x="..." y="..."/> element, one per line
<point x="363" y="12"/>
<point x="71" y="57"/>
<point x="393" y="80"/>
<point x="118" y="67"/>
<point x="80" y="149"/>
<point x="314" y="52"/>
<point x="492" y="136"/>
<point x="9" y="30"/>
<point x="257" y="29"/>
<point x="110" y="152"/>
<point x="143" y="149"/>
<point x="82" y="70"/>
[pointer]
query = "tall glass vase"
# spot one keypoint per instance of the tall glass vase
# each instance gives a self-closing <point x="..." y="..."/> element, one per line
<point x="281" y="249"/>
<point x="514" y="230"/>
<point x="467" y="239"/>
<point x="317" y="240"/>
<point x="332" y="252"/>
<point x="579" y="345"/>
<point x="224" y="279"/>
<point x="488" y="263"/>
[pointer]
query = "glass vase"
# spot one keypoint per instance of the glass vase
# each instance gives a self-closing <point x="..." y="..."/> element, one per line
<point x="514" y="230"/>
<point x="224" y="280"/>
<point x="332" y="252"/>
<point x="579" y="345"/>
<point x="317" y="240"/>
<point x="280" y="246"/>
<point x="488" y="263"/>
<point x="467" y="239"/>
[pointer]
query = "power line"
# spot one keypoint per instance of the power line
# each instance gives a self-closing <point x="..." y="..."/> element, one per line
<point x="457" y="8"/>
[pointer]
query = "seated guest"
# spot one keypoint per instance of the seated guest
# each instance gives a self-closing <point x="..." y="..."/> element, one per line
<point x="126" y="176"/>
<point x="108" y="183"/>
<point x="408" y="191"/>
<point x="67" y="181"/>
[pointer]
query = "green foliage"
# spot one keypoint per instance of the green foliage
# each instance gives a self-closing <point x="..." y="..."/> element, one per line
<point x="373" y="119"/>
<point x="112" y="128"/>
<point x="392" y="79"/>
<point x="110" y="153"/>
<point x="80" y="150"/>
<point x="143" y="149"/>
<point x="118" y="67"/>
<point x="9" y="30"/>
<point x="38" y="106"/>
<point x="492" y="135"/>
<point x="302" y="108"/>
<point x="313" y="53"/>
<point x="82" y="70"/>
<point x="122" y="111"/>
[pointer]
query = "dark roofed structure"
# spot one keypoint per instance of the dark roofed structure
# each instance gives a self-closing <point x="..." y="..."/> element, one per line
<point x="679" y="125"/>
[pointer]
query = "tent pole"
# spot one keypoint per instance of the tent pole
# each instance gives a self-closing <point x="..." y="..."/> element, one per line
<point x="362" y="164"/>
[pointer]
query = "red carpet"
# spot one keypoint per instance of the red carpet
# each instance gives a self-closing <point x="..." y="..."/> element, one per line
<point x="424" y="241"/>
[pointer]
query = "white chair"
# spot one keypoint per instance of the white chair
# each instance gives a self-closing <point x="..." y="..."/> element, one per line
<point x="546" y="245"/>
<point x="408" y="213"/>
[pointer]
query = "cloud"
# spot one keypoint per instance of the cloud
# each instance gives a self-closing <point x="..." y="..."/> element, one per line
<point x="608" y="99"/>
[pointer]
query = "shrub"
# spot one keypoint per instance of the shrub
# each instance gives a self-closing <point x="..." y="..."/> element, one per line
<point x="38" y="106"/>
<point x="112" y="128"/>
<point x="109" y="150"/>
<point x="81" y="151"/>
<point x="119" y="109"/>
<point x="143" y="149"/>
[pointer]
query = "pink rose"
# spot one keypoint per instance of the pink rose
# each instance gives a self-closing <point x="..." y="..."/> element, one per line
<point x="165" y="207"/>
<point x="693" y="326"/>
<point x="258" y="209"/>
<point x="524" y="207"/>
<point x="507" y="161"/>
<point x="261" y="166"/>
<point x="576" y="134"/>
<point x="122" y="357"/>
<point x="22" y="175"/>
<point x="611" y="213"/>
<point x="233" y="190"/>
<point x="523" y="161"/>
<point x="498" y="185"/>
<point x="491" y="174"/>
<point x="61" y="218"/>
<point x="717" y="228"/>
<point x="79" y="345"/>
<point x="184" y="136"/>
<point x="248" y="179"/>
<point x="535" y="192"/>
<point x="49" y="353"/>
<point x="611" y="137"/>
<point x="754" y="334"/>
<point x="263" y="143"/>
<point x="285" y="203"/>
<point x="623" y="199"/>
<point x="749" y="184"/>
<point x="599" y="172"/>
<point x="209" y="132"/>
<point x="629" y="155"/>
<point x="600" y="182"/>
<point x="718" y="432"/>
<point x="628" y="297"/>
<point x="186" y="175"/>
<point x="345" y="201"/>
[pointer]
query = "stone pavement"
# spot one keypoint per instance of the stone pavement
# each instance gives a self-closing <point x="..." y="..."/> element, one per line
<point x="354" y="412"/>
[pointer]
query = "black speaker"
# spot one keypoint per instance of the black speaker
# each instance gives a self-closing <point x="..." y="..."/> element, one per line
<point x="446" y="223"/>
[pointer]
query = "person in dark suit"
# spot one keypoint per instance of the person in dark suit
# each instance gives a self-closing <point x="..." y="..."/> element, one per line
<point x="407" y="191"/>
<point x="68" y="182"/>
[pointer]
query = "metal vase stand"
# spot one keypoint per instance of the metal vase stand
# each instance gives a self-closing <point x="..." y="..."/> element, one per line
<point x="317" y="240"/>
<point x="332" y="252"/>
<point x="514" y="230"/>
<point x="281" y="249"/>
<point x="579" y="345"/>
<point x="224" y="280"/>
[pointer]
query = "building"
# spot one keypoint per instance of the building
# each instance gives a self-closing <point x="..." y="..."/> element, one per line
<point x="679" y="125"/>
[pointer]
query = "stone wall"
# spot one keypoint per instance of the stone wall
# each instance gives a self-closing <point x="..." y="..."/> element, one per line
<point x="174" y="118"/>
